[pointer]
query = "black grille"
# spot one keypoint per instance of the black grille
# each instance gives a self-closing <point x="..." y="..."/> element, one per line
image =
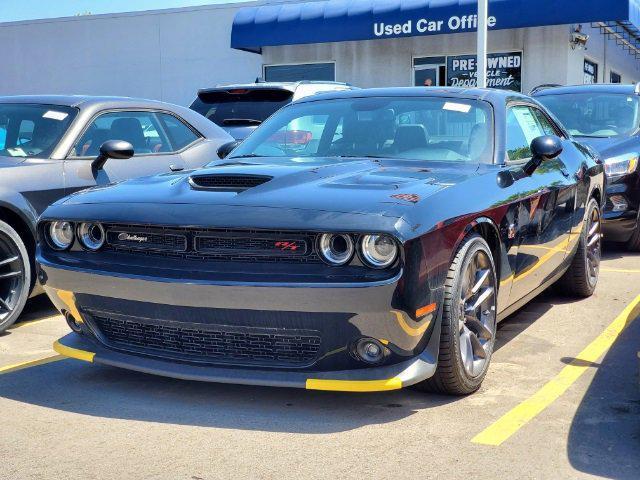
<point x="269" y="245"/>
<point x="210" y="343"/>
<point x="234" y="183"/>
<point x="146" y="240"/>
<point x="214" y="245"/>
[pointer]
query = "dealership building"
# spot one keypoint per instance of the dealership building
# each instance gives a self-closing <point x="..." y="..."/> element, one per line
<point x="169" y="54"/>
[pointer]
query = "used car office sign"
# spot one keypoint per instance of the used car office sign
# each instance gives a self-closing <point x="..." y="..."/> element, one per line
<point x="503" y="71"/>
<point x="424" y="25"/>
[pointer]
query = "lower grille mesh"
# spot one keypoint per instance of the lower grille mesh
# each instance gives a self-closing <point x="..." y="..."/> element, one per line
<point x="216" y="343"/>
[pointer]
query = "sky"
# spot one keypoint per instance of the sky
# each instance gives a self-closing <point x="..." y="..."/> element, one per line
<point x="14" y="10"/>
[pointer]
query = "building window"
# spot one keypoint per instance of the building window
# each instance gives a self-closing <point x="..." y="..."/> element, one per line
<point x="430" y="71"/>
<point x="325" y="72"/>
<point x="590" y="72"/>
<point x="615" y="77"/>
<point x="504" y="70"/>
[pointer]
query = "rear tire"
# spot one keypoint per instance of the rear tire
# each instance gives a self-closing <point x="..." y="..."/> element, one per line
<point x="581" y="279"/>
<point x="468" y="334"/>
<point x="15" y="276"/>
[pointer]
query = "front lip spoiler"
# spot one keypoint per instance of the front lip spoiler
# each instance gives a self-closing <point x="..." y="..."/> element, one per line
<point x="374" y="379"/>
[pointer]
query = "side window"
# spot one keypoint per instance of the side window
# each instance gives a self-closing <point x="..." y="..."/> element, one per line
<point x="522" y="127"/>
<point x="140" y="129"/>
<point x="180" y="135"/>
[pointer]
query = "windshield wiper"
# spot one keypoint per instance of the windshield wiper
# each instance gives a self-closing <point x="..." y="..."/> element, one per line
<point x="248" y="155"/>
<point x="241" y="121"/>
<point x="363" y="156"/>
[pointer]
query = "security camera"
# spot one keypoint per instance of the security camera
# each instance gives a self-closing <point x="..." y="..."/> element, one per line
<point x="579" y="39"/>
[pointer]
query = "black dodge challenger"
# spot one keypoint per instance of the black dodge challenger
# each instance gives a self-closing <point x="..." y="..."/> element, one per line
<point x="357" y="241"/>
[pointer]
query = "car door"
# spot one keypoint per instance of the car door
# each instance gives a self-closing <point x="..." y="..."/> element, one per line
<point x="157" y="139"/>
<point x="545" y="211"/>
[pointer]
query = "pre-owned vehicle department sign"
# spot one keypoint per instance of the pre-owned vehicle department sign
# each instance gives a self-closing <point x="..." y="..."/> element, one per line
<point x="504" y="70"/>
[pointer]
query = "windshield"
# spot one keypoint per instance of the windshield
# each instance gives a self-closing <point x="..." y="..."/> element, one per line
<point x="439" y="129"/>
<point x="32" y="130"/>
<point x="240" y="106"/>
<point x="595" y="114"/>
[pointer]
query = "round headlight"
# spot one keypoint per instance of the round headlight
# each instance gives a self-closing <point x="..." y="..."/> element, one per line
<point x="91" y="236"/>
<point x="336" y="249"/>
<point x="60" y="235"/>
<point x="379" y="251"/>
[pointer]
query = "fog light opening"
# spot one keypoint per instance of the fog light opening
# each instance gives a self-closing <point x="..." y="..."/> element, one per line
<point x="370" y="350"/>
<point x="619" y="203"/>
<point x="73" y="323"/>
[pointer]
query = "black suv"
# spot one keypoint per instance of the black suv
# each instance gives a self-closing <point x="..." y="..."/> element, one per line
<point x="606" y="117"/>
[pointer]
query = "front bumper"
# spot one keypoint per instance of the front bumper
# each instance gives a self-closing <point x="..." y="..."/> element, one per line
<point x="375" y="379"/>
<point x="340" y="314"/>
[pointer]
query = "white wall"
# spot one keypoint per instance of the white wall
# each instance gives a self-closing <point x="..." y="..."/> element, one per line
<point x="607" y="55"/>
<point x="547" y="57"/>
<point x="164" y="54"/>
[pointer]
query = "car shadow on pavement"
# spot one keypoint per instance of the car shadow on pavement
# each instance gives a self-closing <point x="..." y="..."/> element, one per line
<point x="604" y="439"/>
<point x="101" y="391"/>
<point x="613" y="251"/>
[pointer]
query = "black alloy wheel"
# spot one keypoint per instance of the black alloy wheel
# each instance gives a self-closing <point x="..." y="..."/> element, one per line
<point x="469" y="318"/>
<point x="581" y="279"/>
<point x="15" y="276"/>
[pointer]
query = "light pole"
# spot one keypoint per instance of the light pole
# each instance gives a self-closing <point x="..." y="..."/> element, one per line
<point x="481" y="64"/>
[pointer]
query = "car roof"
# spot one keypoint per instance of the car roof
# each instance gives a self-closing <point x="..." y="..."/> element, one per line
<point x="487" y="94"/>
<point x="291" y="86"/>
<point x="593" y="88"/>
<point x="80" y="101"/>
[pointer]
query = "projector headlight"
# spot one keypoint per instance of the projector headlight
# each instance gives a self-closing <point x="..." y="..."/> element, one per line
<point x="91" y="236"/>
<point x="621" y="164"/>
<point x="379" y="251"/>
<point x="60" y="235"/>
<point x="336" y="249"/>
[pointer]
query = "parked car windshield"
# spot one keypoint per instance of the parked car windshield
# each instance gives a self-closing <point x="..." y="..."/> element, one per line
<point x="595" y="114"/>
<point x="431" y="128"/>
<point x="32" y="131"/>
<point x="240" y="106"/>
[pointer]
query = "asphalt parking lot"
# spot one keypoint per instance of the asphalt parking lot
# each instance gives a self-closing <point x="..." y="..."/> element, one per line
<point x="551" y="407"/>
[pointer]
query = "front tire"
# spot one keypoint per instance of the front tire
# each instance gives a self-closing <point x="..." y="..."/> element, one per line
<point x="468" y="321"/>
<point x="15" y="276"/>
<point x="581" y="279"/>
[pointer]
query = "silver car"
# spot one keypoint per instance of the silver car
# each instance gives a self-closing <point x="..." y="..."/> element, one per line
<point x="52" y="146"/>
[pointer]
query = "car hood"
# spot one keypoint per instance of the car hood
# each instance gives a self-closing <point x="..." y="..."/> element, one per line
<point x="612" y="146"/>
<point x="383" y="187"/>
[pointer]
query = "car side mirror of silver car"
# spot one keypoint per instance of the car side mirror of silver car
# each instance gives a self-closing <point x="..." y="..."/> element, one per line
<point x="116" y="149"/>
<point x="225" y="149"/>
<point x="543" y="148"/>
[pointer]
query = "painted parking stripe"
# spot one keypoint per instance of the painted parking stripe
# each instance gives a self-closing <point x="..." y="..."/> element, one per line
<point x="619" y="270"/>
<point x="515" y="419"/>
<point x="30" y="363"/>
<point x="27" y="323"/>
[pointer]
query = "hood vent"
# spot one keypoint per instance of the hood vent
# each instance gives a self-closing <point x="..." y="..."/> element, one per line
<point x="227" y="183"/>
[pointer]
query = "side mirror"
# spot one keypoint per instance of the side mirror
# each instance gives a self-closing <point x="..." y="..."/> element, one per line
<point x="116" y="149"/>
<point x="225" y="149"/>
<point x="546" y="147"/>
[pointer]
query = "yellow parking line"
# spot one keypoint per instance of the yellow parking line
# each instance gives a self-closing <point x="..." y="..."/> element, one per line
<point x="515" y="419"/>
<point x="30" y="363"/>
<point x="619" y="270"/>
<point x="26" y="323"/>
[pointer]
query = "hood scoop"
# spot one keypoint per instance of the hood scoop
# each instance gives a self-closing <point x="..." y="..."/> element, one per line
<point x="226" y="182"/>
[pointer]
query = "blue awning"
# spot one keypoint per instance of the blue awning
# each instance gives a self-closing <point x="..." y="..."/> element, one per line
<point x="346" y="20"/>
